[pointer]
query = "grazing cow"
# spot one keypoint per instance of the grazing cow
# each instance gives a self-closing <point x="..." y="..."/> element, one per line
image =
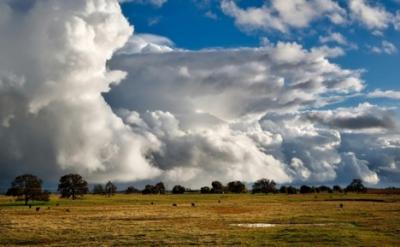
<point x="175" y="205"/>
<point x="193" y="204"/>
<point x="152" y="203"/>
<point x="67" y="210"/>
<point x="37" y="209"/>
<point x="219" y="201"/>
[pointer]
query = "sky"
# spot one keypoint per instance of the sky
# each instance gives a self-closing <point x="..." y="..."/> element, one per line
<point x="187" y="92"/>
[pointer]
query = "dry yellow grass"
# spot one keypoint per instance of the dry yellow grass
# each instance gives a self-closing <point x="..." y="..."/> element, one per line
<point x="128" y="220"/>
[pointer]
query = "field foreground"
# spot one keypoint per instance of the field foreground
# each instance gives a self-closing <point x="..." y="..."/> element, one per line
<point x="217" y="220"/>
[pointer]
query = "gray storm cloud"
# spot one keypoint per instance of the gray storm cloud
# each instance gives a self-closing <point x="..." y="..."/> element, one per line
<point x="79" y="93"/>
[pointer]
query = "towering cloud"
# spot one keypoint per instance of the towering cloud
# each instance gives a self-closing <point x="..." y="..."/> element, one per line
<point x="79" y="94"/>
<point x="52" y="74"/>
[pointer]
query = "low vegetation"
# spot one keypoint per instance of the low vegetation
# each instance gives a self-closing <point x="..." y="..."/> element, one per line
<point x="220" y="215"/>
<point x="323" y="219"/>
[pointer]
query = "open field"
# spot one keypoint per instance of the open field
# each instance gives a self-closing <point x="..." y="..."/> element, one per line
<point x="145" y="220"/>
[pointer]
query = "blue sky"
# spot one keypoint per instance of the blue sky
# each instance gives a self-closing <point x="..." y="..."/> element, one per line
<point x="186" y="23"/>
<point x="201" y="24"/>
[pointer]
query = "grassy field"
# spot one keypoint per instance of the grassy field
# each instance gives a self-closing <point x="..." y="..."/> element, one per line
<point x="151" y="220"/>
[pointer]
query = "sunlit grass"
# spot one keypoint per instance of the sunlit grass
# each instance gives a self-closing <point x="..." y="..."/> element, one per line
<point x="152" y="220"/>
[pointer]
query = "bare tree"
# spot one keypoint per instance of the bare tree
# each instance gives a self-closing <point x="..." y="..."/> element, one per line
<point x="110" y="189"/>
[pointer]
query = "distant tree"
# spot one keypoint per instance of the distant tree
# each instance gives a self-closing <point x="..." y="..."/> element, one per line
<point x="288" y="189"/>
<point x="283" y="189"/>
<point x="236" y="187"/>
<point x="217" y="187"/>
<point x="110" y="189"/>
<point x="178" y="189"/>
<point x="98" y="189"/>
<point x="337" y="189"/>
<point x="292" y="190"/>
<point x="264" y="186"/>
<point x="131" y="190"/>
<point x="205" y="190"/>
<point x="72" y="185"/>
<point x="149" y="189"/>
<point x="304" y="189"/>
<point x="324" y="188"/>
<point x="160" y="188"/>
<point x="356" y="186"/>
<point x="28" y="187"/>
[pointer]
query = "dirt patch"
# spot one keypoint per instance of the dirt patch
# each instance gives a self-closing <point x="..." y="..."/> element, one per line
<point x="355" y="200"/>
<point x="232" y="210"/>
<point x="268" y="225"/>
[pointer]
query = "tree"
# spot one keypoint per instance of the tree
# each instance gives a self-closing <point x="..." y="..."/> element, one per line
<point x="29" y="187"/>
<point x="178" y="189"/>
<point x="264" y="186"/>
<point x="324" y="188"/>
<point x="159" y="188"/>
<point x="72" y="185"/>
<point x="149" y="189"/>
<point x="356" y="186"/>
<point x="337" y="189"/>
<point x="304" y="189"/>
<point x="292" y="190"/>
<point x="131" y="190"/>
<point x="236" y="187"/>
<point x="98" y="189"/>
<point x="110" y="189"/>
<point x="283" y="189"/>
<point x="217" y="187"/>
<point x="205" y="190"/>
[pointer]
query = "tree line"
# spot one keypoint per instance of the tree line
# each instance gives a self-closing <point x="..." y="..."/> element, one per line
<point x="28" y="187"/>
